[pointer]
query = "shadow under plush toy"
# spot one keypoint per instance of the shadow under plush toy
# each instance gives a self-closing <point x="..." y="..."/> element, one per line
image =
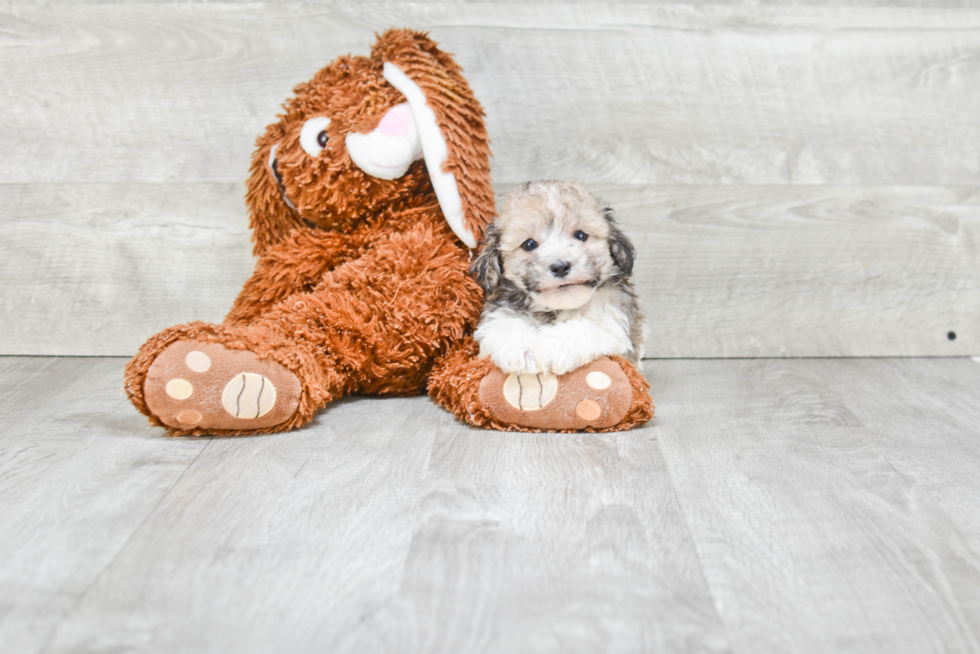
<point x="365" y="199"/>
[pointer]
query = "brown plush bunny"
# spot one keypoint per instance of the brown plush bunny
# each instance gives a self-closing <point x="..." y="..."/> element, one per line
<point x="365" y="198"/>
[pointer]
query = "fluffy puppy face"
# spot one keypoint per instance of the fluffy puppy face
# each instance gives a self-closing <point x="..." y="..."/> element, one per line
<point x="556" y="242"/>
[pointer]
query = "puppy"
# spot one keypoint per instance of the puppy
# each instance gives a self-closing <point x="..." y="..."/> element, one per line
<point x="555" y="270"/>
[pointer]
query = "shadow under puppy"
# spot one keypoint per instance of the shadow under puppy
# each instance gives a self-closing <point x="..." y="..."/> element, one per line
<point x="555" y="269"/>
<point x="561" y="331"/>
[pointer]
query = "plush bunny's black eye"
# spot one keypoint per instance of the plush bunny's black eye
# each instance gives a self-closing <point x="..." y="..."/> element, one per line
<point x="580" y="235"/>
<point x="313" y="135"/>
<point x="529" y="245"/>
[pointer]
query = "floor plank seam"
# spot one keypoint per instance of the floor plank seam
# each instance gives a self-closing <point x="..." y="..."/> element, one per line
<point x="122" y="548"/>
<point x="694" y="545"/>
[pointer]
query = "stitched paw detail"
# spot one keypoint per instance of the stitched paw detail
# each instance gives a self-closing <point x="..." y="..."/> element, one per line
<point x="597" y="395"/>
<point x="193" y="385"/>
<point x="530" y="392"/>
<point x="248" y="396"/>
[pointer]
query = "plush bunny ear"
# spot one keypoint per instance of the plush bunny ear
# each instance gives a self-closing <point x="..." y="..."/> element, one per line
<point x="449" y="122"/>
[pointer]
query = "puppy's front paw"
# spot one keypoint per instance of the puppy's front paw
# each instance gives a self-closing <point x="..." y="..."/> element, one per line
<point x="518" y="359"/>
<point x="556" y="360"/>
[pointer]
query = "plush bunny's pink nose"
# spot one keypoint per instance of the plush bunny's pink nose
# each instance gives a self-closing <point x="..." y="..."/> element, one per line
<point x="397" y="121"/>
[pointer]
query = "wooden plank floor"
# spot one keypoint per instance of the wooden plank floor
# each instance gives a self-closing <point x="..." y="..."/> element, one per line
<point x="807" y="505"/>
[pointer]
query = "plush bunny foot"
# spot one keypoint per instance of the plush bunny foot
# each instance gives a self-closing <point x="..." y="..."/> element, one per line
<point x="597" y="395"/>
<point x="608" y="394"/>
<point x="193" y="385"/>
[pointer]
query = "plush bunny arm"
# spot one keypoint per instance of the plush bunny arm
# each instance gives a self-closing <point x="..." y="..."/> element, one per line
<point x="380" y="319"/>
<point x="295" y="264"/>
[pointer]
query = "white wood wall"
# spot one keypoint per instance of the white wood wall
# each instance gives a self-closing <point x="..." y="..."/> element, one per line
<point x="800" y="179"/>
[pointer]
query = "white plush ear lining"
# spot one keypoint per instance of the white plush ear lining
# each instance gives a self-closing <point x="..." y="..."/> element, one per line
<point x="435" y="151"/>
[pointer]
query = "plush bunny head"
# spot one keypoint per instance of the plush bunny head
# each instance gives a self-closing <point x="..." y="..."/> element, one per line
<point x="368" y="134"/>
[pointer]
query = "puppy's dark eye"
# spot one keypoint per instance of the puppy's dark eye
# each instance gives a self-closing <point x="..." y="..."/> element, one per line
<point x="580" y="235"/>
<point x="529" y="245"/>
<point x="321" y="139"/>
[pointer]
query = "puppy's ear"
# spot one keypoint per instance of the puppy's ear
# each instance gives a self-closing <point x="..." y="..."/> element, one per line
<point x="621" y="248"/>
<point x="488" y="268"/>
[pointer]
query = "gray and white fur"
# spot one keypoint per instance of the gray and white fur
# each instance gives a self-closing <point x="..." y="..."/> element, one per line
<point x="555" y="269"/>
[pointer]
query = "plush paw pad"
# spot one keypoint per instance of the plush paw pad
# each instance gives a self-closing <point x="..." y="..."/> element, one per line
<point x="597" y="395"/>
<point x="248" y="395"/>
<point x="530" y="392"/>
<point x="193" y="385"/>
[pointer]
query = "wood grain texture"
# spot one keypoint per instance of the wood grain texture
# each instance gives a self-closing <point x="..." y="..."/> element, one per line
<point x="611" y="93"/>
<point x="804" y="506"/>
<point x="79" y="473"/>
<point x="96" y="269"/>
<point x="823" y="158"/>
<point x="387" y="526"/>
<point x="965" y="4"/>
<point x="832" y="502"/>
<point x="722" y="271"/>
<point x="805" y="271"/>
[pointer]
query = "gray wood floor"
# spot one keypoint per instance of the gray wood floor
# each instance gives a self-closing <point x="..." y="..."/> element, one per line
<point x="796" y="505"/>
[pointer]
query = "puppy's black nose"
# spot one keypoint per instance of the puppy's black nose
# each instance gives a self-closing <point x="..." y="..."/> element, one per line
<point x="560" y="269"/>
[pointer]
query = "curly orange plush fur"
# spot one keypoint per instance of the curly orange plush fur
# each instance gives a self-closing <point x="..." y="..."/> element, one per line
<point x="362" y="283"/>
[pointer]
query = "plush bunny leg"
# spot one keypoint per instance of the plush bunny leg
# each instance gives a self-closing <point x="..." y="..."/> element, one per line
<point x="372" y="325"/>
<point x="608" y="394"/>
<point x="204" y="378"/>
